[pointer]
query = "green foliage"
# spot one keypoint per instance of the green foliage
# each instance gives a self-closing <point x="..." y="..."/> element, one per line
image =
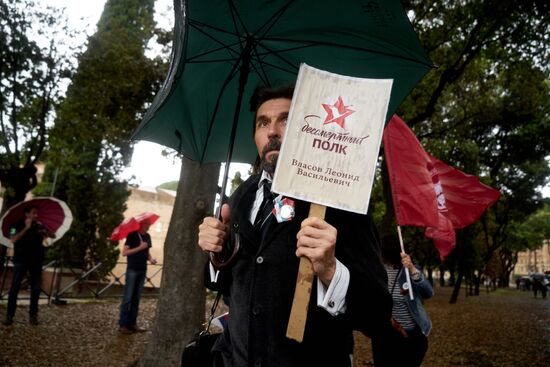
<point x="485" y="110"/>
<point x="534" y="229"/>
<point x="32" y="69"/>
<point x="90" y="141"/>
<point x="171" y="185"/>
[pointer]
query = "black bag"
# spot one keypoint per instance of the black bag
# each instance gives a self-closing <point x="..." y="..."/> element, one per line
<point x="198" y="352"/>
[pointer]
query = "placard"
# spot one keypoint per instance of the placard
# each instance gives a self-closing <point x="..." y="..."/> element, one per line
<point x="332" y="139"/>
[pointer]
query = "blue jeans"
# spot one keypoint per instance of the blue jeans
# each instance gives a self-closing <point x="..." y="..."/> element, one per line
<point x="20" y="269"/>
<point x="130" y="301"/>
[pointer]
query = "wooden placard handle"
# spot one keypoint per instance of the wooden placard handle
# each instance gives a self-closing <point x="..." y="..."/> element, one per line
<point x="302" y="293"/>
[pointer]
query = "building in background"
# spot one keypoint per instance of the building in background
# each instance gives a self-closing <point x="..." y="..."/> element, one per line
<point x="534" y="261"/>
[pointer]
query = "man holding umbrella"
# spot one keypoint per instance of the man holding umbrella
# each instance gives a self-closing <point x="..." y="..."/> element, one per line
<point x="136" y="249"/>
<point x="351" y="288"/>
<point x="27" y="236"/>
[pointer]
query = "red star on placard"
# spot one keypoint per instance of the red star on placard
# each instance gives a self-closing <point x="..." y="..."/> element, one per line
<point x="339" y="110"/>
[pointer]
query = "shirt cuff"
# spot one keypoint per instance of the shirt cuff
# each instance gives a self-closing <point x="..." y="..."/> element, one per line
<point x="333" y="299"/>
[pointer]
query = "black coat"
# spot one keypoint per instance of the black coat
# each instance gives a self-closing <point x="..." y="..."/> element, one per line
<point x="259" y="289"/>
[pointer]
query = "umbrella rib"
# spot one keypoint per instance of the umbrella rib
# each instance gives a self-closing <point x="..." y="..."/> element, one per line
<point x="348" y="47"/>
<point x="273" y="20"/>
<point x="268" y="25"/>
<point x="278" y="55"/>
<point x="216" y="106"/>
<point x="235" y="16"/>
<point x="228" y="47"/>
<point x="197" y="26"/>
<point x="235" y="13"/>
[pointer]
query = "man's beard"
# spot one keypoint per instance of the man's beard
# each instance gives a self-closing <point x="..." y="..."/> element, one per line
<point x="270" y="164"/>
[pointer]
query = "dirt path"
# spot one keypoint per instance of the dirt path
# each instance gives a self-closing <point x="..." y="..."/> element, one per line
<point x="505" y="328"/>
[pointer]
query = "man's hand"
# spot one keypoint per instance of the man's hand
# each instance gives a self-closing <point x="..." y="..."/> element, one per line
<point x="153" y="261"/>
<point x="213" y="233"/>
<point x="316" y="241"/>
<point x="143" y="246"/>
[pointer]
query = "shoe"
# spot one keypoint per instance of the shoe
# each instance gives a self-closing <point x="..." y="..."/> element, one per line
<point x="125" y="330"/>
<point x="33" y="320"/>
<point x="137" y="329"/>
<point x="9" y="320"/>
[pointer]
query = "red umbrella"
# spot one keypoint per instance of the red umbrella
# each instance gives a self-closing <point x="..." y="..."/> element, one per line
<point x="53" y="214"/>
<point x="132" y="224"/>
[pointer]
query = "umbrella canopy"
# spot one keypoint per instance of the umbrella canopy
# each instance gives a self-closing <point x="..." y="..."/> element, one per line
<point x="220" y="56"/>
<point x="53" y="213"/>
<point x="132" y="224"/>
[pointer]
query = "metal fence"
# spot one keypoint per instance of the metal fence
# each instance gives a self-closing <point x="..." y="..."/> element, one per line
<point x="60" y="283"/>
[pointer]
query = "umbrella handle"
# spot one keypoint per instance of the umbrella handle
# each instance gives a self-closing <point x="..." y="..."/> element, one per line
<point x="220" y="260"/>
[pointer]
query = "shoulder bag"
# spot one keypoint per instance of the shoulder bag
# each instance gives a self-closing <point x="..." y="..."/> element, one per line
<point x="198" y="351"/>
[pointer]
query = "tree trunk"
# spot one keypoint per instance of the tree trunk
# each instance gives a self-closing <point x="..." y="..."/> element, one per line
<point x="452" y="280"/>
<point x="477" y="282"/>
<point x="505" y="281"/>
<point x="181" y="304"/>
<point x="456" y="289"/>
<point x="442" y="276"/>
<point x="431" y="276"/>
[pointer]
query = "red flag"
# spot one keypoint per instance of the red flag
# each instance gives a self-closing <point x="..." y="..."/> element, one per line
<point x="411" y="184"/>
<point x="427" y="192"/>
<point x="463" y="197"/>
<point x="443" y="235"/>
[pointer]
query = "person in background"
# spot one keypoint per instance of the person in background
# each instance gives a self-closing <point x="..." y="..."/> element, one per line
<point x="350" y="286"/>
<point x="406" y="343"/>
<point x="136" y="248"/>
<point x="27" y="236"/>
<point x="539" y="285"/>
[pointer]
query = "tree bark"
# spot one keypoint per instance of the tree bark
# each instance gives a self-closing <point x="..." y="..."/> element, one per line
<point x="456" y="289"/>
<point x="477" y="283"/>
<point x="181" y="304"/>
<point x="431" y="276"/>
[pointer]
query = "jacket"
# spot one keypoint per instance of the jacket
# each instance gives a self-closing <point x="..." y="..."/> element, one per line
<point x="422" y="289"/>
<point x="259" y="288"/>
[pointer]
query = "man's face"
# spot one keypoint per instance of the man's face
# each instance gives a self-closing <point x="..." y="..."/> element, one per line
<point x="144" y="225"/>
<point x="32" y="214"/>
<point x="270" y="126"/>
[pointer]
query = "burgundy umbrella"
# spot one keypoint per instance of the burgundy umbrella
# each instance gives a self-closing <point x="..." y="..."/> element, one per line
<point x="53" y="214"/>
<point x="132" y="224"/>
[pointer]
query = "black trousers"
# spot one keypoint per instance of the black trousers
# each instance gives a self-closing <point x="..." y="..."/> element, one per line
<point x="19" y="271"/>
<point x="393" y="349"/>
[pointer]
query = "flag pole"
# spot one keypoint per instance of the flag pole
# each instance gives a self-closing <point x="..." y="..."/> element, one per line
<point x="406" y="269"/>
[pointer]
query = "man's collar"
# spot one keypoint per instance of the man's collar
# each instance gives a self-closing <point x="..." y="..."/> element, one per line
<point x="264" y="176"/>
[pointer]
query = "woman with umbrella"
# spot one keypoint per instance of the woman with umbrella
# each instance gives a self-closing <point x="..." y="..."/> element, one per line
<point x="27" y="236"/>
